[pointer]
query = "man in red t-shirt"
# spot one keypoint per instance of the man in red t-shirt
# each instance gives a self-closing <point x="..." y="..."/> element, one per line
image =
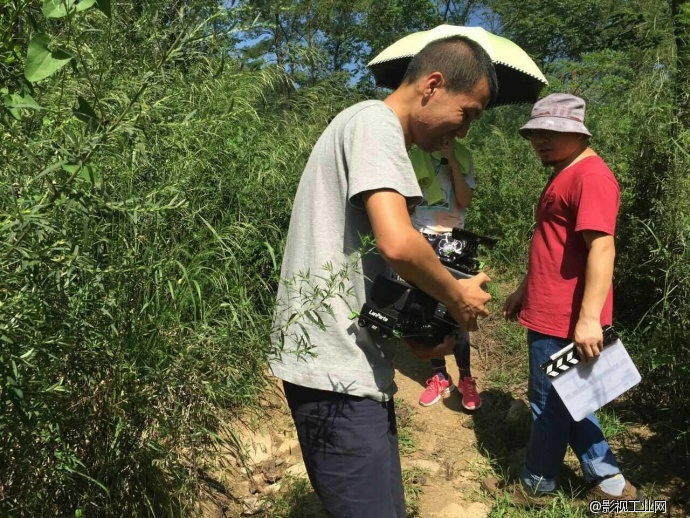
<point x="567" y="296"/>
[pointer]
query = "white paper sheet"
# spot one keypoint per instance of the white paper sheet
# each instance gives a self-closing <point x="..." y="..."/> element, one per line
<point x="588" y="386"/>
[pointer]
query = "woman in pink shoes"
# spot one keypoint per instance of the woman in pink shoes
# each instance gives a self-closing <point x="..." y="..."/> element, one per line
<point x="447" y="181"/>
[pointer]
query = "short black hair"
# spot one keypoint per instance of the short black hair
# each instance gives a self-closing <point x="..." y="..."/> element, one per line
<point x="462" y="61"/>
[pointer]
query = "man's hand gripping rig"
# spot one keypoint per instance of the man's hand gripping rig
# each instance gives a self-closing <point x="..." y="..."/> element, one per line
<point x="396" y="308"/>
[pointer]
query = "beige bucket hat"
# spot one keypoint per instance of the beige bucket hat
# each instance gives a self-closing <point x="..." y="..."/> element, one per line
<point x="564" y="113"/>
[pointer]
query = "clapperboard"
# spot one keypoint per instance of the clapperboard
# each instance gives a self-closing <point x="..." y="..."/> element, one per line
<point x="567" y="357"/>
<point x="585" y="387"/>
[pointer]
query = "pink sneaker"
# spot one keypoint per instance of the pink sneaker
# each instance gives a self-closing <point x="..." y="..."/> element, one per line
<point x="470" y="397"/>
<point x="436" y="388"/>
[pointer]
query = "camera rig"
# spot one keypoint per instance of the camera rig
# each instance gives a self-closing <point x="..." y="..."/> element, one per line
<point x="396" y="308"/>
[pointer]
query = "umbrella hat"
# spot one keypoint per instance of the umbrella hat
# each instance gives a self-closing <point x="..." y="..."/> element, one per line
<point x="519" y="77"/>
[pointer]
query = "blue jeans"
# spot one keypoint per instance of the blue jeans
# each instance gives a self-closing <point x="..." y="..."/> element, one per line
<point x="553" y="428"/>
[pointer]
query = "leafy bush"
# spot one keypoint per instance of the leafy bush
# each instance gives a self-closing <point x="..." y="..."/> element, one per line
<point x="145" y="191"/>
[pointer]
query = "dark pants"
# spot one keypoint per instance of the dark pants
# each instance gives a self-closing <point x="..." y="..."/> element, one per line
<point x="350" y="448"/>
<point x="461" y="351"/>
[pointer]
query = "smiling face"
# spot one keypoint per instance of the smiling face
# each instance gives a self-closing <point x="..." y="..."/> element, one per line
<point x="443" y="115"/>
<point x="554" y="147"/>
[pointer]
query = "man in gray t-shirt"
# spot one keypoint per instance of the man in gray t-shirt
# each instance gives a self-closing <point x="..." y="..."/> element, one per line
<point x="358" y="181"/>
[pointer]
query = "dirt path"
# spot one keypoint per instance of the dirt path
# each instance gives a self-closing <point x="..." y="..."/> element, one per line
<point x="446" y="442"/>
<point x="445" y="450"/>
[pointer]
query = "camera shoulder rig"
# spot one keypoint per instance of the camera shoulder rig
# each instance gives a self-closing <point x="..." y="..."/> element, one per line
<point x="396" y="308"/>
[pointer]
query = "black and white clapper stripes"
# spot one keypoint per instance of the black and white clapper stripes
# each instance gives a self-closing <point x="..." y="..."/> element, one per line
<point x="567" y="357"/>
<point x="563" y="361"/>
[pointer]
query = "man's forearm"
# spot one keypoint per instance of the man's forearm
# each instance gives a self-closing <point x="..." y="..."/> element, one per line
<point x="415" y="260"/>
<point x="598" y="278"/>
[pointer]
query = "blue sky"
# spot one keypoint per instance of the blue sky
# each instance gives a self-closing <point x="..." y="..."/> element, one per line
<point x="476" y="19"/>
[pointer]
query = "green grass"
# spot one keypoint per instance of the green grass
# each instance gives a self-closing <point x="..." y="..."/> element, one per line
<point x="611" y="424"/>
<point x="561" y="506"/>
<point x="509" y="369"/>
<point x="295" y="500"/>
<point x="413" y="483"/>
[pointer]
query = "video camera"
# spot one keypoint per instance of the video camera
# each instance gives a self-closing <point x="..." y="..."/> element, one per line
<point x="396" y="308"/>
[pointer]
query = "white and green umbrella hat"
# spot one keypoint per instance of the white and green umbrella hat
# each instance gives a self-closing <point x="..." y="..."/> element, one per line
<point x="519" y="77"/>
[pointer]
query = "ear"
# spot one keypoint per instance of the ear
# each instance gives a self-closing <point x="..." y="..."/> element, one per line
<point x="431" y="83"/>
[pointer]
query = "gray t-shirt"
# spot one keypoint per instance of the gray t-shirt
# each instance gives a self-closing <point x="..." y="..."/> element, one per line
<point x="363" y="149"/>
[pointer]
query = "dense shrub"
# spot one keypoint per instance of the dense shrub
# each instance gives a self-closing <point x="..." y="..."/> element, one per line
<point x="145" y="191"/>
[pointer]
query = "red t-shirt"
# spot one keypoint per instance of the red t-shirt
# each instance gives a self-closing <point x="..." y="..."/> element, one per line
<point x="584" y="196"/>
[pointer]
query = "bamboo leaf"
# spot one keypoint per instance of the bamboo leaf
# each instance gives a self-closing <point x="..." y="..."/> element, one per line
<point x="84" y="5"/>
<point x="85" y="113"/>
<point x="272" y="252"/>
<point x="15" y="103"/>
<point x="56" y="8"/>
<point x="41" y="62"/>
<point x="61" y="8"/>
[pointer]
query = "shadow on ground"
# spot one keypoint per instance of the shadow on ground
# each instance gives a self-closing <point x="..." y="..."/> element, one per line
<point x="412" y="367"/>
<point x="500" y="438"/>
<point x="652" y="452"/>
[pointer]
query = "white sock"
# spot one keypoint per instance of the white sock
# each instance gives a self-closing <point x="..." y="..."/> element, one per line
<point x="613" y="485"/>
